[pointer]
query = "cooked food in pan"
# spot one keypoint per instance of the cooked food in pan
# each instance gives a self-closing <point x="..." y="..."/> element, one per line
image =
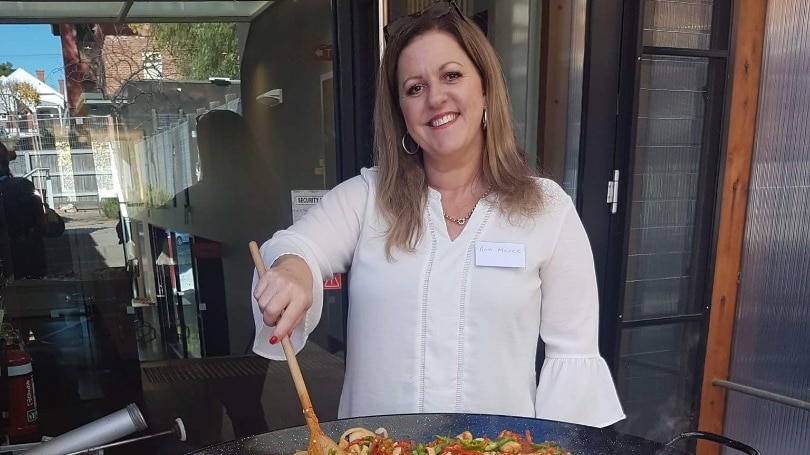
<point x="361" y="441"/>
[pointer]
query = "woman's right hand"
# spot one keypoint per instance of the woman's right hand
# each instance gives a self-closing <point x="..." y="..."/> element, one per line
<point x="284" y="294"/>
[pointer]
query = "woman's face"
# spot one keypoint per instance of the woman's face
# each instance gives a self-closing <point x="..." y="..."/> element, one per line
<point x="441" y="96"/>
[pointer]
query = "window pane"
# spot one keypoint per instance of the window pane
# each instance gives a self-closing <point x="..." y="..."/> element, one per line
<point x="165" y="147"/>
<point x="656" y="367"/>
<point x="678" y="23"/>
<point x="665" y="181"/>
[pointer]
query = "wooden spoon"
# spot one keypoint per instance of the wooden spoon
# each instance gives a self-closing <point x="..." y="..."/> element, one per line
<point x="319" y="443"/>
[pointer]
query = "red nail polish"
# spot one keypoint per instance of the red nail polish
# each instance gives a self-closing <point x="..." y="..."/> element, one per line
<point x="273" y="339"/>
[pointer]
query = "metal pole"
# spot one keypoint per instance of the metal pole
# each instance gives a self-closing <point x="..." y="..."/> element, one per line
<point x="98" y="432"/>
<point x="764" y="394"/>
<point x="178" y="429"/>
<point x="126" y="441"/>
<point x="49" y="190"/>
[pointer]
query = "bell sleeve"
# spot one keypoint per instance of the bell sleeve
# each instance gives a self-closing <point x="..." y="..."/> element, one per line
<point x="575" y="383"/>
<point x="325" y="238"/>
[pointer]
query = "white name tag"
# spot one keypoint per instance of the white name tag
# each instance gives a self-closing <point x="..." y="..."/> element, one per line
<point x="495" y="254"/>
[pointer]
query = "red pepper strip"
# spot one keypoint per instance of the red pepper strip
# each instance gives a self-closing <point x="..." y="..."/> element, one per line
<point x="526" y="444"/>
<point x="460" y="451"/>
<point x="457" y="449"/>
<point x="375" y="444"/>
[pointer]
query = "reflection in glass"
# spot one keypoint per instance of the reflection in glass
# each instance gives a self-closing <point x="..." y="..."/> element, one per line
<point x="187" y="294"/>
<point x="158" y="126"/>
<point x="561" y="117"/>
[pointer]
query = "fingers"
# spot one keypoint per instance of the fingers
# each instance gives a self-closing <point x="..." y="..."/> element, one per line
<point x="261" y="286"/>
<point x="272" y="298"/>
<point x="290" y="318"/>
<point x="265" y="294"/>
<point x="282" y="300"/>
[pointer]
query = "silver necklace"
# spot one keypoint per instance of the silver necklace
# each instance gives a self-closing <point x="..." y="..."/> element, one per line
<point x="463" y="220"/>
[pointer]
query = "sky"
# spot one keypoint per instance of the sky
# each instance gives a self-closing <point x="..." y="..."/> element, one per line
<point x="33" y="47"/>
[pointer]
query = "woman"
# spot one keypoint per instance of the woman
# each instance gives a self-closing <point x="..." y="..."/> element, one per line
<point x="23" y="222"/>
<point x="459" y="256"/>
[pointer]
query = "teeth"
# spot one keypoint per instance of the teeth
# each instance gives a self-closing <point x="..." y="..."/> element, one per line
<point x="443" y="119"/>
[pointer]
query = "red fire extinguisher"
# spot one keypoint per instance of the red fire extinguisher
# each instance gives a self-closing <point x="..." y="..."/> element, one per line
<point x="22" y="417"/>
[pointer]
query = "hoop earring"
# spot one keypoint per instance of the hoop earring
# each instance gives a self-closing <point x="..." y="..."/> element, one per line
<point x="406" y="148"/>
<point x="484" y="120"/>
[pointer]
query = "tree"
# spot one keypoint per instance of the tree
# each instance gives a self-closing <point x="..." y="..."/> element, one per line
<point x="17" y="97"/>
<point x="16" y="100"/>
<point x="6" y="68"/>
<point x="201" y="50"/>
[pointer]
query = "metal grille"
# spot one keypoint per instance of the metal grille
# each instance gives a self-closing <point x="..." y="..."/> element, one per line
<point x="232" y="367"/>
<point x="669" y="23"/>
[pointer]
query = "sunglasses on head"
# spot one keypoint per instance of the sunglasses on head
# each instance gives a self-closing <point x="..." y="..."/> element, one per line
<point x="434" y="11"/>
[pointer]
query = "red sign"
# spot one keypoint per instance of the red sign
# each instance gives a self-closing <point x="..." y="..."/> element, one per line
<point x="206" y="249"/>
<point x="334" y="283"/>
<point x="323" y="52"/>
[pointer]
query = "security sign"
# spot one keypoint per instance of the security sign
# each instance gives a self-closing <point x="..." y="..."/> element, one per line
<point x="303" y="200"/>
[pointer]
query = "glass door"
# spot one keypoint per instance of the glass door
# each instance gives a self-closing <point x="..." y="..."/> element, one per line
<point x="176" y="303"/>
<point x="661" y="199"/>
<point x="186" y="301"/>
<point x="661" y="308"/>
<point x="670" y="185"/>
<point x="299" y="137"/>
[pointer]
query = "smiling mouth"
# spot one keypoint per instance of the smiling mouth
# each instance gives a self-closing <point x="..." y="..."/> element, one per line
<point x="443" y="120"/>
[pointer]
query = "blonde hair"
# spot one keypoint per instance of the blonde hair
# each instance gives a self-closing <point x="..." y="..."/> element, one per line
<point x="402" y="188"/>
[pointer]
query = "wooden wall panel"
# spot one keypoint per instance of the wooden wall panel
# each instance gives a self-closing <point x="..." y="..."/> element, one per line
<point x="746" y="60"/>
<point x="554" y="116"/>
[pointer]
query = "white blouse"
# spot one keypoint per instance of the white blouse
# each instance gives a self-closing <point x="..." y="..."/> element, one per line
<point x="440" y="329"/>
